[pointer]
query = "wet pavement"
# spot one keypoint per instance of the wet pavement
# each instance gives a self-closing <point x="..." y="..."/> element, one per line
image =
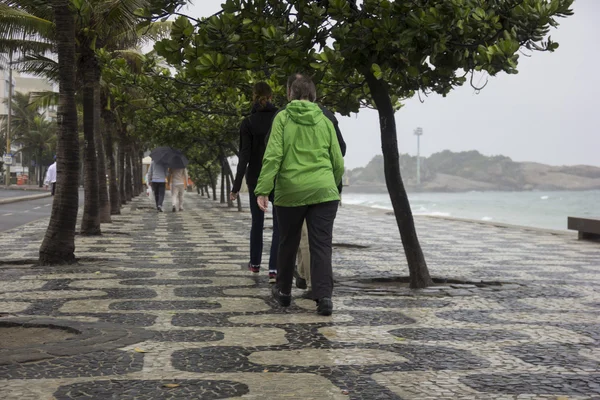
<point x="165" y="310"/>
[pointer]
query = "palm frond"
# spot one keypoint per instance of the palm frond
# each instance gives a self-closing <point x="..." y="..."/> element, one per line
<point x="4" y="62"/>
<point x="40" y="8"/>
<point x="119" y="14"/>
<point x="44" y="100"/>
<point x="134" y="58"/>
<point x="18" y="23"/>
<point x="38" y="65"/>
<point x="25" y="46"/>
<point x="155" y="31"/>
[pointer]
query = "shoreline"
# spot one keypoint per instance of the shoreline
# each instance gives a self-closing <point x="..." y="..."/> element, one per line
<point x="390" y="213"/>
<point x="383" y="190"/>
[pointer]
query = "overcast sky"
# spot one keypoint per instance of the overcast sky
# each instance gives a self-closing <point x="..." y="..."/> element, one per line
<point x="548" y="113"/>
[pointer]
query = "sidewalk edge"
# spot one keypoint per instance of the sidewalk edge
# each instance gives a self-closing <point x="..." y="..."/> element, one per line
<point x="23" y="198"/>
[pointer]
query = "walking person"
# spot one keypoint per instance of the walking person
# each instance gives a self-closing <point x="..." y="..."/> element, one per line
<point x="253" y="134"/>
<point x="304" y="154"/>
<point x="157" y="176"/>
<point x="302" y="272"/>
<point x="51" y="178"/>
<point x="178" y="178"/>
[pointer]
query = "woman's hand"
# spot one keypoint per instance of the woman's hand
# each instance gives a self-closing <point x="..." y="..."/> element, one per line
<point x="233" y="196"/>
<point x="263" y="203"/>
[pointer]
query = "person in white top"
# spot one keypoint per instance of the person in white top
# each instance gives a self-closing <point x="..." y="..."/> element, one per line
<point x="51" y="177"/>
<point x="178" y="179"/>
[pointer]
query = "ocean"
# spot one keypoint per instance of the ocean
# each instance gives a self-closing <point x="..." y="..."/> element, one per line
<point x="547" y="210"/>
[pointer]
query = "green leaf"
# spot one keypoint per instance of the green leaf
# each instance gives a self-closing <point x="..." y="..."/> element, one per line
<point x="376" y="70"/>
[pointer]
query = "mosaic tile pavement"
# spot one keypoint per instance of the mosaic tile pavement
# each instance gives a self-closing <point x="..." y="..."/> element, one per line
<point x="208" y="329"/>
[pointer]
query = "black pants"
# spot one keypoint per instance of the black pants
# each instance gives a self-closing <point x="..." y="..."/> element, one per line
<point x="256" y="233"/>
<point x="319" y="221"/>
<point x="159" y="193"/>
<point x="53" y="188"/>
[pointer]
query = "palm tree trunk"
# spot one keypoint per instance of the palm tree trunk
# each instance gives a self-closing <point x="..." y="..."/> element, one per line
<point x="121" y="156"/>
<point x="104" y="201"/>
<point x="90" y="224"/>
<point x="58" y="246"/>
<point x="419" y="273"/>
<point x="39" y="170"/>
<point x="115" y="201"/>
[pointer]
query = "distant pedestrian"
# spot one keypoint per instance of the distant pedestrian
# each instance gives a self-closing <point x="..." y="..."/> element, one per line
<point x="157" y="174"/>
<point x="51" y="177"/>
<point x="253" y="134"/>
<point x="178" y="179"/>
<point x="304" y="154"/>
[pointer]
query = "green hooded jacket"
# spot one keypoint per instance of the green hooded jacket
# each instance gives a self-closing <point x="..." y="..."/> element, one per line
<point x="303" y="159"/>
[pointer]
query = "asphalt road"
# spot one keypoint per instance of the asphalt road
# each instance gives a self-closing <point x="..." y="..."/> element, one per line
<point x="20" y="213"/>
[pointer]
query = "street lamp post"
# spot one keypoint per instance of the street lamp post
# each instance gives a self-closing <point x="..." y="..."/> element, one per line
<point x="9" y="116"/>
<point x="418" y="132"/>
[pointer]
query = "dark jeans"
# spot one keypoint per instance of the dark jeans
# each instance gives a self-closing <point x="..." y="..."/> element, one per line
<point x="159" y="193"/>
<point x="319" y="221"/>
<point x="256" y="234"/>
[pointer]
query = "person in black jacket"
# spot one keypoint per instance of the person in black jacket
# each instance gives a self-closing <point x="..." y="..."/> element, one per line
<point x="253" y="134"/>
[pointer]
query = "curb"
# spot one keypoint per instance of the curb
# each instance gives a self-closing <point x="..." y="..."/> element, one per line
<point x="23" y="198"/>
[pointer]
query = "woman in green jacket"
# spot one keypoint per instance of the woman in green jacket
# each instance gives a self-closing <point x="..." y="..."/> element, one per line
<point x="304" y="163"/>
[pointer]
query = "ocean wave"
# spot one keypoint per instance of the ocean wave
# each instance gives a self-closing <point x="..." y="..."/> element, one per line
<point x="486" y="218"/>
<point x="545" y="197"/>
<point x="433" y="214"/>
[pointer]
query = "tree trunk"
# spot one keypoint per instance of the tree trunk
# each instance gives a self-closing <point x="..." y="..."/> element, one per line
<point x="121" y="174"/>
<point x="222" y="183"/>
<point x="137" y="173"/>
<point x="113" y="192"/>
<point x="90" y="224"/>
<point x="40" y="182"/>
<point x="58" y="246"/>
<point x="228" y="184"/>
<point x="419" y="273"/>
<point x="128" y="175"/>
<point x="103" y="199"/>
<point x="232" y="179"/>
<point x="140" y="172"/>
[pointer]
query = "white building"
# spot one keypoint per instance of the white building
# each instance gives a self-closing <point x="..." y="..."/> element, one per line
<point x="24" y="84"/>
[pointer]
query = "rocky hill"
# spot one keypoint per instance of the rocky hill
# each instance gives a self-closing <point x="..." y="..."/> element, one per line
<point x="471" y="170"/>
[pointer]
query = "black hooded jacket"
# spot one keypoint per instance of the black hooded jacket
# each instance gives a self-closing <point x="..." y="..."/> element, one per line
<point x="253" y="135"/>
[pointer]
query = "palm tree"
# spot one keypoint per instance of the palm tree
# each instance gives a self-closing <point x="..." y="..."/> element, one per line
<point x="39" y="140"/>
<point x="30" y="129"/>
<point x="58" y="246"/>
<point x="99" y="24"/>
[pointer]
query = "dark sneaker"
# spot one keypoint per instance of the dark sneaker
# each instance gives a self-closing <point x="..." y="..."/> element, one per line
<point x="255" y="269"/>
<point x="174" y="209"/>
<point x="300" y="281"/>
<point x="160" y="209"/>
<point x="272" y="276"/>
<point x="324" y="306"/>
<point x="308" y="295"/>
<point x="284" y="300"/>
<point x="180" y="208"/>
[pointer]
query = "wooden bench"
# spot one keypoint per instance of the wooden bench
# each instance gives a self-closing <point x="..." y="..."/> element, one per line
<point x="588" y="228"/>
